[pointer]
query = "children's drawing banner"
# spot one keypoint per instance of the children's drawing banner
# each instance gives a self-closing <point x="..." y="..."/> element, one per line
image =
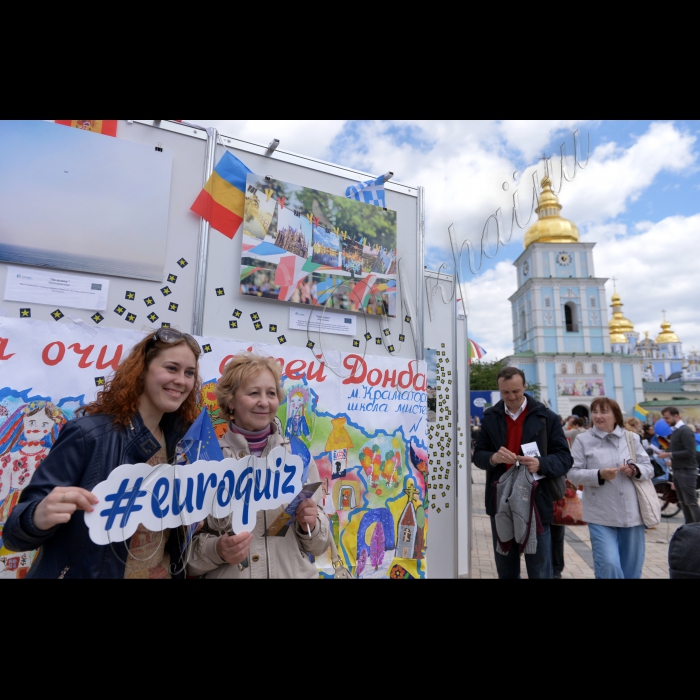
<point x="361" y="418"/>
<point x="311" y="247"/>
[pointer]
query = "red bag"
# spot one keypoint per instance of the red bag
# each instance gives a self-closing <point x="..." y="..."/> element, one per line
<point x="569" y="510"/>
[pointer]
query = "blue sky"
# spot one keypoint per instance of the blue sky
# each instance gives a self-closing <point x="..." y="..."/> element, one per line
<point x="638" y="199"/>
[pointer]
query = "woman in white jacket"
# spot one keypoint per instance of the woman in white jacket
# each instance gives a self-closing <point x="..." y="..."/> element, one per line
<point x="249" y="394"/>
<point x="605" y="468"/>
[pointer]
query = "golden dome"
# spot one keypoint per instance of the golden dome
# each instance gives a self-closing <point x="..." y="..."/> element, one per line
<point x="617" y="339"/>
<point x="667" y="335"/>
<point x="550" y="227"/>
<point x="618" y="324"/>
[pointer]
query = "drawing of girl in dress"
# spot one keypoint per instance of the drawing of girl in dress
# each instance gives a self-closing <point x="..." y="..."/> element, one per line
<point x="297" y="428"/>
<point x="25" y="439"/>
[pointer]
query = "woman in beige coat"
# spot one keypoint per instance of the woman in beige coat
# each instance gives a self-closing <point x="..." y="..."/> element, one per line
<point x="249" y="394"/>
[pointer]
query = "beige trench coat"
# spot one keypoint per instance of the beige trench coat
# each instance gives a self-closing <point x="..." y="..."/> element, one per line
<point x="269" y="557"/>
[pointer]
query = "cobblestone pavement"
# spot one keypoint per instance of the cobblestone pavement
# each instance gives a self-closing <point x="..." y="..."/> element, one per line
<point x="578" y="556"/>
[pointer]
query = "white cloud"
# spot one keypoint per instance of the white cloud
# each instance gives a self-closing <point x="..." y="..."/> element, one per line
<point x="490" y="318"/>
<point x="530" y="136"/>
<point x="656" y="270"/>
<point x="615" y="177"/>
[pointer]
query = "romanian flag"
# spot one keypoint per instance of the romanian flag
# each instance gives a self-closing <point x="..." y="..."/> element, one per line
<point x="222" y="200"/>
<point x="108" y="127"/>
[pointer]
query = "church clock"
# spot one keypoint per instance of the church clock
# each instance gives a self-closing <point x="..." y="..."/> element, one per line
<point x="563" y="258"/>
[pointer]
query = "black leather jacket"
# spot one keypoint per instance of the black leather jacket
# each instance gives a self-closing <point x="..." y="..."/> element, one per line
<point x="85" y="453"/>
<point x="556" y="459"/>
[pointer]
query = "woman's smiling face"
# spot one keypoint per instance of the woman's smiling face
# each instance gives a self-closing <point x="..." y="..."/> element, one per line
<point x="169" y="379"/>
<point x="255" y="403"/>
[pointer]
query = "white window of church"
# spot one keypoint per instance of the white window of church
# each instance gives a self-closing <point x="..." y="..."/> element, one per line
<point x="547" y="302"/>
<point x="674" y="351"/>
<point x="594" y="368"/>
<point x="593" y="302"/>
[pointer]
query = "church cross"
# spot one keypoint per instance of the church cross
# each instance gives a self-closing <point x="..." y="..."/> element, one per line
<point x="410" y="491"/>
<point x="614" y="281"/>
<point x="545" y="158"/>
<point x="663" y="311"/>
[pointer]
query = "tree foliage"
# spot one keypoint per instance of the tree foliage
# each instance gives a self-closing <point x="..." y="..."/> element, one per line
<point x="357" y="219"/>
<point x="482" y="377"/>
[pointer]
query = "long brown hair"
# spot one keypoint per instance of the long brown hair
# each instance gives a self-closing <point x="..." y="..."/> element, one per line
<point x="121" y="394"/>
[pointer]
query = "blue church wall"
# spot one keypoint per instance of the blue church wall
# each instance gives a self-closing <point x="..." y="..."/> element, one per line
<point x="548" y="292"/>
<point x="564" y="270"/>
<point x="573" y="344"/>
<point x="583" y="263"/>
<point x="627" y="374"/>
<point x="659" y="370"/>
<point x="597" y="345"/>
<point x="550" y="371"/>
<point x="545" y="263"/>
<point x="530" y="373"/>
<point x="550" y="345"/>
<point x="592" y="292"/>
<point x="609" y="380"/>
<point x="676" y="367"/>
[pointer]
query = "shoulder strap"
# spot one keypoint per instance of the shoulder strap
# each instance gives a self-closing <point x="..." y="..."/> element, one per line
<point x="630" y="444"/>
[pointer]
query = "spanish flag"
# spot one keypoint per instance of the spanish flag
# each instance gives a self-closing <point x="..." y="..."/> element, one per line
<point x="108" y="127"/>
<point x="222" y="200"/>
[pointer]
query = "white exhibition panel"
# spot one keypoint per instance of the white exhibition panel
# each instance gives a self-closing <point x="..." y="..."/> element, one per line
<point x="439" y="333"/>
<point x="464" y="487"/>
<point x="224" y="263"/>
<point x="188" y="152"/>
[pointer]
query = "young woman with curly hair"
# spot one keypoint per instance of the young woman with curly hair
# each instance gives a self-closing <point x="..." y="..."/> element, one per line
<point x="140" y="416"/>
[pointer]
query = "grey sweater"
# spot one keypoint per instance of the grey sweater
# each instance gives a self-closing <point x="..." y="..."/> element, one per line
<point x="682" y="448"/>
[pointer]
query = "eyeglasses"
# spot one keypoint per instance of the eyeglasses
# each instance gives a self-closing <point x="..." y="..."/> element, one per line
<point x="171" y="335"/>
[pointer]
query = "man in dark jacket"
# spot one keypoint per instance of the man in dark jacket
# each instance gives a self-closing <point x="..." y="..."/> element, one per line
<point x="515" y="421"/>
<point x="684" y="462"/>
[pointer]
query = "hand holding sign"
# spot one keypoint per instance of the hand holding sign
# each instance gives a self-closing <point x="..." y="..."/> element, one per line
<point x="58" y="507"/>
<point x="171" y="495"/>
<point x="233" y="549"/>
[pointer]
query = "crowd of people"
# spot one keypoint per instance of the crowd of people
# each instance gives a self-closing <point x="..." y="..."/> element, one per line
<point x="534" y="461"/>
<point x="608" y="463"/>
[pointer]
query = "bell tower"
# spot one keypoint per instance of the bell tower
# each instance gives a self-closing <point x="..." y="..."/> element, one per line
<point x="561" y="338"/>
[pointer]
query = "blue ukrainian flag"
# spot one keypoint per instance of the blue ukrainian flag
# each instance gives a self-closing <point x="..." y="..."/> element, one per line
<point x="640" y="413"/>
